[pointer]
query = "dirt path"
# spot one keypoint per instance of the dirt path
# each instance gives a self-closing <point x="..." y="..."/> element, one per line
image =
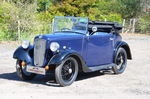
<point x="134" y="83"/>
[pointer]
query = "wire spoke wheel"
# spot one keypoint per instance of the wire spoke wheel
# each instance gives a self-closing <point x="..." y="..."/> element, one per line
<point x="22" y="73"/>
<point x="66" y="72"/>
<point x="121" y="61"/>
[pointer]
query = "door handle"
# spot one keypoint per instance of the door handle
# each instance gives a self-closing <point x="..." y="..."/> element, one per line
<point x="111" y="38"/>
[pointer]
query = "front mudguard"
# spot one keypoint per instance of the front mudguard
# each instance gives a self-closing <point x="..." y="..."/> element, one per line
<point x="62" y="55"/>
<point x="25" y="55"/>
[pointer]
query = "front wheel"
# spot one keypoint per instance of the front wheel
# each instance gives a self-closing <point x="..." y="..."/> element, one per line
<point x="121" y="61"/>
<point x="22" y="73"/>
<point x="66" y="73"/>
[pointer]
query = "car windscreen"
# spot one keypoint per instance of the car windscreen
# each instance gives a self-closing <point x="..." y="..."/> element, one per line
<point x="70" y="24"/>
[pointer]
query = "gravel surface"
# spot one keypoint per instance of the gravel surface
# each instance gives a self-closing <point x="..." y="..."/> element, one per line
<point x="134" y="83"/>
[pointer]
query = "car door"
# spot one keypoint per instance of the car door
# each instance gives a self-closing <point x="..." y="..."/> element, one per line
<point x="99" y="49"/>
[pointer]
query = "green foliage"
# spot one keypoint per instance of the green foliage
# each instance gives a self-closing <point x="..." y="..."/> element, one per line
<point x="130" y="8"/>
<point x="32" y="17"/>
<point x="5" y="21"/>
<point x="43" y="4"/>
<point x="23" y="1"/>
<point x="22" y="16"/>
<point x="144" y="24"/>
<point x="94" y="9"/>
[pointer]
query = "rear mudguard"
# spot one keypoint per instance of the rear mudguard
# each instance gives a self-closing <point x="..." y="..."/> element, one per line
<point x="25" y="55"/>
<point x="125" y="46"/>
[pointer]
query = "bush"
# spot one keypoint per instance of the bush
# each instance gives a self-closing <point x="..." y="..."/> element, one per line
<point x="143" y="25"/>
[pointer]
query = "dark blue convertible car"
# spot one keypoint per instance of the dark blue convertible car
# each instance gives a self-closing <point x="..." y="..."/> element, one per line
<point x="76" y="45"/>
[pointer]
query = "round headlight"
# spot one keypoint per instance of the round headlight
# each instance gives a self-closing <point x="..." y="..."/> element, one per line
<point x="25" y="44"/>
<point x="54" y="46"/>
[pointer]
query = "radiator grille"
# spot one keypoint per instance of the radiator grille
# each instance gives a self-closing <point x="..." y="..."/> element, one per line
<point x="39" y="51"/>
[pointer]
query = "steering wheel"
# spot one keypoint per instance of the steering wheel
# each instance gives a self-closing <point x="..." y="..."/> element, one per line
<point x="63" y="29"/>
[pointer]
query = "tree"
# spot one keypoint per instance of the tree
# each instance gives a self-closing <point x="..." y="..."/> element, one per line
<point x="130" y="8"/>
<point x="43" y="4"/>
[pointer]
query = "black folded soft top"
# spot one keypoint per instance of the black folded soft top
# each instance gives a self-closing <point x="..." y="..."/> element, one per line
<point x="105" y="26"/>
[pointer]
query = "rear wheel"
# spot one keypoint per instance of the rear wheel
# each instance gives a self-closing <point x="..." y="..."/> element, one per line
<point x="22" y="73"/>
<point x="121" y="61"/>
<point x="66" y="73"/>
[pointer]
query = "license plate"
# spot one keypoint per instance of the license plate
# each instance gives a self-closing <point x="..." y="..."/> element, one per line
<point x="36" y="70"/>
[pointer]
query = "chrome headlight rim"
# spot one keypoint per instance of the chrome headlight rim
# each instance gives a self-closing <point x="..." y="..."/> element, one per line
<point x="54" y="46"/>
<point x="25" y="44"/>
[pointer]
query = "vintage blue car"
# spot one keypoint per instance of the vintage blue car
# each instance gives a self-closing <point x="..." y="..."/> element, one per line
<point x="76" y="45"/>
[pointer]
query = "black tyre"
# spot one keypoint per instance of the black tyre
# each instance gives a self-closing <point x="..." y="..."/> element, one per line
<point x="22" y="73"/>
<point x="66" y="73"/>
<point x="121" y="61"/>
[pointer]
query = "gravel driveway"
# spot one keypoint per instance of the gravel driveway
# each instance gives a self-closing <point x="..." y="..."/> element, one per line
<point x="134" y="83"/>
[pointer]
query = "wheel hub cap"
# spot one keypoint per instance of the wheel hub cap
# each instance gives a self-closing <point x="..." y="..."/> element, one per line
<point x="70" y="70"/>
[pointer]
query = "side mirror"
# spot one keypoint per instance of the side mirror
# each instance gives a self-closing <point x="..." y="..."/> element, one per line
<point x="94" y="29"/>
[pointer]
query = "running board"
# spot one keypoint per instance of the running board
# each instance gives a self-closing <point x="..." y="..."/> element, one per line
<point x="96" y="68"/>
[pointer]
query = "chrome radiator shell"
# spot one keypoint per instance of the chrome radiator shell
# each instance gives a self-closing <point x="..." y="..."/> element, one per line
<point x="39" y="52"/>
